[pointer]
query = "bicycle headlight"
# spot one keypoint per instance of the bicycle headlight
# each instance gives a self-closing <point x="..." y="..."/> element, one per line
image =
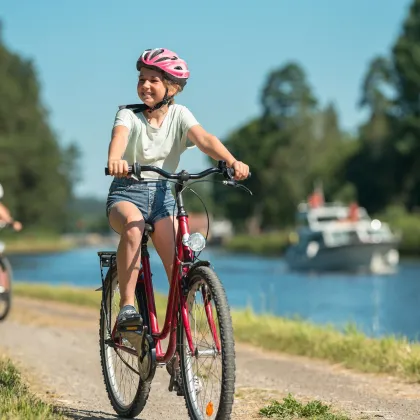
<point x="196" y="242"/>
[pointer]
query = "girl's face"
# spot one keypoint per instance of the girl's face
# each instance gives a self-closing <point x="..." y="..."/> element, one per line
<point x="150" y="87"/>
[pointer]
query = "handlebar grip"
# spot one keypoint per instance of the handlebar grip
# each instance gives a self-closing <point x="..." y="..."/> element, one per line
<point x="231" y="173"/>
<point x="130" y="170"/>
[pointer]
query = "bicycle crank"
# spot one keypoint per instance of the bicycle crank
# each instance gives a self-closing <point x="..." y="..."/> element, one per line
<point x="147" y="357"/>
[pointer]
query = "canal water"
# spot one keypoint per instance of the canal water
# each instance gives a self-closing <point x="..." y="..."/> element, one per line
<point x="377" y="305"/>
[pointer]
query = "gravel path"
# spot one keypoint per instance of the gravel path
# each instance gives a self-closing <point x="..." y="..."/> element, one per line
<point x="56" y="346"/>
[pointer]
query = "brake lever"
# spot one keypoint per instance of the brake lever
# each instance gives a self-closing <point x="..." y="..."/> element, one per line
<point x="235" y="184"/>
<point x="244" y="188"/>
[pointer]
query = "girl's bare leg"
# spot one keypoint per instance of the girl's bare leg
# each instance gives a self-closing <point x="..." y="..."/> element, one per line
<point x="126" y="219"/>
<point x="164" y="240"/>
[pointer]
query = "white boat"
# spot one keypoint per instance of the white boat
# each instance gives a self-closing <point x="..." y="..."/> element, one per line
<point x="335" y="237"/>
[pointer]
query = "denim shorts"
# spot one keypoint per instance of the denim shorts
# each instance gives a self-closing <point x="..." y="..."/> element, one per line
<point x="154" y="199"/>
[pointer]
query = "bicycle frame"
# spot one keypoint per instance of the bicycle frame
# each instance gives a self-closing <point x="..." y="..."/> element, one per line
<point x="177" y="301"/>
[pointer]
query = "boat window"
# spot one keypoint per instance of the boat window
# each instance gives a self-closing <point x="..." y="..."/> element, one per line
<point x="341" y="238"/>
<point x="327" y="218"/>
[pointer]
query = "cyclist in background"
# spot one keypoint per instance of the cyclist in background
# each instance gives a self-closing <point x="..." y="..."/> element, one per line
<point x="5" y="217"/>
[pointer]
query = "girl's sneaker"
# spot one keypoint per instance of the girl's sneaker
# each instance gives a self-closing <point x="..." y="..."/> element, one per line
<point x="128" y="318"/>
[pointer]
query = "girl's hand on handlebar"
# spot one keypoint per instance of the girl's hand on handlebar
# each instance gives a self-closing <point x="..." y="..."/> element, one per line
<point x="241" y="170"/>
<point x="17" y="226"/>
<point x="118" y="167"/>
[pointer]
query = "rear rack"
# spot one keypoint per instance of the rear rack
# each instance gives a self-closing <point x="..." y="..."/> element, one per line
<point x="107" y="258"/>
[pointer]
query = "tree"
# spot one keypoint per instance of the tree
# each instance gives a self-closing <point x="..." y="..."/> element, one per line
<point x="286" y="94"/>
<point x="35" y="171"/>
<point x="374" y="168"/>
<point x="279" y="148"/>
<point x="406" y="58"/>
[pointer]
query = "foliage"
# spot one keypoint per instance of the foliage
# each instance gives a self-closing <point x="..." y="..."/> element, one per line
<point x="290" y="147"/>
<point x="274" y="243"/>
<point x="291" y="409"/>
<point x="407" y="225"/>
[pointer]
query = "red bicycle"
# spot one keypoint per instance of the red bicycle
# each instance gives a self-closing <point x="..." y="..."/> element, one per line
<point x="200" y="352"/>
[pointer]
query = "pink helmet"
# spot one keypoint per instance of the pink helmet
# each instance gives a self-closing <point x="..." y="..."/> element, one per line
<point x="166" y="61"/>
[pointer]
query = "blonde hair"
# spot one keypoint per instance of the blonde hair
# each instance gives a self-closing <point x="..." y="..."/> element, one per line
<point x="168" y="83"/>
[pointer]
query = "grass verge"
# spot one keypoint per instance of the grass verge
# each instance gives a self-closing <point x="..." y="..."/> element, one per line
<point x="291" y="409"/>
<point x="31" y="244"/>
<point x="16" y="400"/>
<point x="351" y="348"/>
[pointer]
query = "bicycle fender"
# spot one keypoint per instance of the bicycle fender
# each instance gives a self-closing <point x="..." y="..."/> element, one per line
<point x="198" y="264"/>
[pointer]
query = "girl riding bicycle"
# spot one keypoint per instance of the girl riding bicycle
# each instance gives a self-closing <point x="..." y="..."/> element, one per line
<point x="155" y="133"/>
<point x="5" y="216"/>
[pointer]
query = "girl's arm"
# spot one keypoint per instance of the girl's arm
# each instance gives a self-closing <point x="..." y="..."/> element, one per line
<point x="119" y="140"/>
<point x="213" y="147"/>
<point x="5" y="214"/>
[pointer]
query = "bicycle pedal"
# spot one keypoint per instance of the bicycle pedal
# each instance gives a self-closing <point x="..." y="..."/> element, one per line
<point x="130" y="328"/>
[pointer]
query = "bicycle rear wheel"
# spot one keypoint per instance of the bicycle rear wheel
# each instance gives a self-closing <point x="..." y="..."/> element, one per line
<point x="127" y="393"/>
<point x="208" y="374"/>
<point x="6" y="278"/>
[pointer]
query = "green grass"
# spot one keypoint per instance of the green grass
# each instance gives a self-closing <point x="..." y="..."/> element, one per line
<point x="291" y="409"/>
<point x="16" y="402"/>
<point x="68" y="294"/>
<point x="351" y="348"/>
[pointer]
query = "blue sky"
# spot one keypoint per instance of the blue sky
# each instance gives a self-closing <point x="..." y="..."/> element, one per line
<point x="85" y="54"/>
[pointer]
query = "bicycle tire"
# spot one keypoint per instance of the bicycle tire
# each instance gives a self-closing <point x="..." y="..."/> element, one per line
<point x="207" y="276"/>
<point x="139" y="400"/>
<point x="6" y="296"/>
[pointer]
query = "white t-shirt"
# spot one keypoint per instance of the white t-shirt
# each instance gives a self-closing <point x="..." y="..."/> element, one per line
<point x="161" y="147"/>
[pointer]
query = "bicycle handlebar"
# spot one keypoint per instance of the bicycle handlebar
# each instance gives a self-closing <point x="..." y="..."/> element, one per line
<point x="137" y="169"/>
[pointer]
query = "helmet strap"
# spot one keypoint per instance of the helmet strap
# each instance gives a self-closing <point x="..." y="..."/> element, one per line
<point x="143" y="107"/>
<point x="166" y="99"/>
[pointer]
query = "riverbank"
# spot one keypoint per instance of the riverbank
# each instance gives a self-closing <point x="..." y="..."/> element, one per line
<point x="32" y="243"/>
<point x="350" y="348"/>
<point x="35" y="245"/>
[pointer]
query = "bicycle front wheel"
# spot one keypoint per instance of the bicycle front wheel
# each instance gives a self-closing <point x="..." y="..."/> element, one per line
<point x="127" y="392"/>
<point x="5" y="287"/>
<point x="208" y="373"/>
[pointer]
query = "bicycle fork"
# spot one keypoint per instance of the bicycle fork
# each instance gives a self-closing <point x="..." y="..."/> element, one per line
<point x="209" y="316"/>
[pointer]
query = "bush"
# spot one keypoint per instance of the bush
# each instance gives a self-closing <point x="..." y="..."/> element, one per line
<point x="406" y="224"/>
<point x="268" y="244"/>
